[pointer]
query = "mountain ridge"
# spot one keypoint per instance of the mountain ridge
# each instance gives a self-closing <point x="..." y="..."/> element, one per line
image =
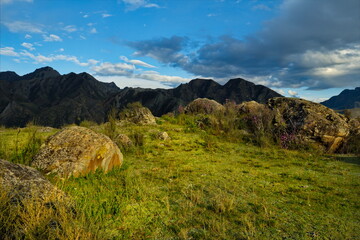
<point x="49" y="98"/>
<point x="347" y="99"/>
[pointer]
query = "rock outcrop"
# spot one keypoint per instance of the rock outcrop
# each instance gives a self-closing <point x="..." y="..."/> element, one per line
<point x="23" y="182"/>
<point x="138" y="115"/>
<point x="312" y="121"/>
<point x="203" y="105"/>
<point x="77" y="151"/>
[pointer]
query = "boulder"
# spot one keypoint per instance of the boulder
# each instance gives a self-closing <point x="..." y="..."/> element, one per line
<point x="30" y="205"/>
<point x="77" y="151"/>
<point x="138" y="115"/>
<point x="124" y="140"/>
<point x="203" y="105"/>
<point x="23" y="182"/>
<point x="163" y="136"/>
<point x="252" y="108"/>
<point x="312" y="121"/>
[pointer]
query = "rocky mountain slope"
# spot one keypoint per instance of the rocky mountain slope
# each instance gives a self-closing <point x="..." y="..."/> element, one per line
<point x="347" y="99"/>
<point x="48" y="98"/>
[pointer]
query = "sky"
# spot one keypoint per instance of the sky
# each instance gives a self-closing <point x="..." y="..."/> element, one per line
<point x="299" y="48"/>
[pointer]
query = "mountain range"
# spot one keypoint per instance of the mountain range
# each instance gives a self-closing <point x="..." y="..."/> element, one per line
<point x="51" y="99"/>
<point x="347" y="99"/>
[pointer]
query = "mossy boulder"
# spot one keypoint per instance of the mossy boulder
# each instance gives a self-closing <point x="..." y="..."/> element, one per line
<point x="314" y="122"/>
<point x="76" y="151"/>
<point x="22" y="182"/>
<point x="203" y="106"/>
<point x="138" y="115"/>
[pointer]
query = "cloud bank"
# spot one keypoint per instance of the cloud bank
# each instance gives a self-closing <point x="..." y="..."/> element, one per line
<point x="311" y="43"/>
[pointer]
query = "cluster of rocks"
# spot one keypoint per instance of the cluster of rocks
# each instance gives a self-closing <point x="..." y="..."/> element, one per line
<point x="314" y="122"/>
<point x="74" y="151"/>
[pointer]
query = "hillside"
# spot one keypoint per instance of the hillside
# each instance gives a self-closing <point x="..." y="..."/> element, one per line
<point x="198" y="185"/>
<point x="347" y="99"/>
<point x="50" y="99"/>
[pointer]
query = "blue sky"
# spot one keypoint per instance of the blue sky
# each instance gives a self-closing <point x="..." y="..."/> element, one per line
<point x="304" y="48"/>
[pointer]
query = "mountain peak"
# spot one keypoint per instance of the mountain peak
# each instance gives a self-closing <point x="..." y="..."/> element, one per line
<point x="44" y="72"/>
<point x="9" y="76"/>
<point x="347" y="99"/>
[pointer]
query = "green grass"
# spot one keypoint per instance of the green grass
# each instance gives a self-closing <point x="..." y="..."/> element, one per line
<point x="201" y="186"/>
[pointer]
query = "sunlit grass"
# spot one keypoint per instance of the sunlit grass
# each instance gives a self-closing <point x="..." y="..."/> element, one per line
<point x="202" y="186"/>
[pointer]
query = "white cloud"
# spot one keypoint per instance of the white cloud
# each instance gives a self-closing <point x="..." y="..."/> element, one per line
<point x="61" y="50"/>
<point x="12" y="1"/>
<point x="137" y="62"/>
<point x="292" y="93"/>
<point x="8" y="51"/>
<point x="27" y="36"/>
<point x="155" y="76"/>
<point x="128" y="70"/>
<point x="105" y="15"/>
<point x="211" y="15"/>
<point x="70" y="28"/>
<point x="93" y="30"/>
<point x="280" y="91"/>
<point x="332" y="65"/>
<point x="261" y="7"/>
<point x="125" y="81"/>
<point x="135" y="4"/>
<point x="113" y="69"/>
<point x="52" y="38"/>
<point x="28" y="46"/>
<point x="85" y="16"/>
<point x="19" y="26"/>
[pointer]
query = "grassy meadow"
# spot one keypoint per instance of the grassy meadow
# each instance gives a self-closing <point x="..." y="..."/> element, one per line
<point x="198" y="185"/>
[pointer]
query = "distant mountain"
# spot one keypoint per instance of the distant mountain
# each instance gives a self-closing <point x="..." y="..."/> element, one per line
<point x="347" y="99"/>
<point x="161" y="101"/>
<point x="49" y="98"/>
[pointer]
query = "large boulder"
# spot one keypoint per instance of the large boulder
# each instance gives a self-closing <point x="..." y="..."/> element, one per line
<point x="23" y="182"/>
<point x="138" y="115"/>
<point x="77" y="151"/>
<point x="204" y="106"/>
<point x="312" y="121"/>
<point x="31" y="207"/>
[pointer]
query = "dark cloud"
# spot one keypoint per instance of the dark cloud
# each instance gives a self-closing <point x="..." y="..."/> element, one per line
<point x="311" y="43"/>
<point x="166" y="50"/>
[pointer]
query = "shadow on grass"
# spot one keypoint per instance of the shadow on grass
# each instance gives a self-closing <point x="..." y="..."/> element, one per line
<point x="349" y="159"/>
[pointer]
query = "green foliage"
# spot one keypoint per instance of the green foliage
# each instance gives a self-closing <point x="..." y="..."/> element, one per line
<point x="88" y="124"/>
<point x="110" y="126"/>
<point x="34" y="219"/>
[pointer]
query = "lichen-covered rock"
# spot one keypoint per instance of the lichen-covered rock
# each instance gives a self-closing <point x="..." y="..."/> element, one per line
<point x="163" y="136"/>
<point x="203" y="105"/>
<point x="124" y="140"/>
<point x="253" y="108"/>
<point x="23" y="182"/>
<point x="314" y="122"/>
<point x="77" y="151"/>
<point x="138" y="115"/>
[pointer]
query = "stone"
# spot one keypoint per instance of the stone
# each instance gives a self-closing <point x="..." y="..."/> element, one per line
<point x="204" y="106"/>
<point x="76" y="151"/>
<point x="138" y="115"/>
<point x="23" y="182"/>
<point x="163" y="136"/>
<point x="124" y="140"/>
<point x="312" y="121"/>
